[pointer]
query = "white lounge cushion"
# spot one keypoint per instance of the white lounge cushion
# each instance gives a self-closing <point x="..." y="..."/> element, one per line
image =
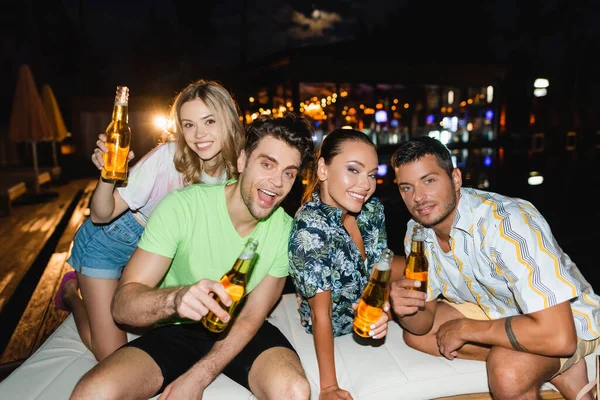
<point x="390" y="371"/>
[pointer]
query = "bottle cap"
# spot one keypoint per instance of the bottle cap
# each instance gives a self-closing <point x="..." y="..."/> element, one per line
<point x="249" y="249"/>
<point x="419" y="232"/>
<point x="385" y="260"/>
<point x="122" y="96"/>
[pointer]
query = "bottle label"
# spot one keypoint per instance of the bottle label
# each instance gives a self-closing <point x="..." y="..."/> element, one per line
<point x="235" y="292"/>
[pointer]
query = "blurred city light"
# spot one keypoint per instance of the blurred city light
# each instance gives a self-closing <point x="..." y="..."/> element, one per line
<point x="381" y="116"/>
<point x="161" y="122"/>
<point x="535" y="178"/>
<point x="490" y="94"/>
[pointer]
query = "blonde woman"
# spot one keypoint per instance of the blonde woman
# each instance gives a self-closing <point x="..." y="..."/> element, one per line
<point x="209" y="137"/>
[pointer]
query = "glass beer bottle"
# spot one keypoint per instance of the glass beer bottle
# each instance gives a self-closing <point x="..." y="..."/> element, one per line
<point x="416" y="262"/>
<point x="234" y="282"/>
<point x="118" y="139"/>
<point x="375" y="293"/>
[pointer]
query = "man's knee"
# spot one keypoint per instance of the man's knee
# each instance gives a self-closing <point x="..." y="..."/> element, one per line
<point x="417" y="342"/>
<point x="410" y="339"/>
<point x="298" y="387"/>
<point x="509" y="380"/>
<point x="93" y="386"/>
<point x="279" y="371"/>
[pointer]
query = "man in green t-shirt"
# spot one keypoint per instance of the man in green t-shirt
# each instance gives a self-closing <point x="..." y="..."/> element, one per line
<point x="192" y="237"/>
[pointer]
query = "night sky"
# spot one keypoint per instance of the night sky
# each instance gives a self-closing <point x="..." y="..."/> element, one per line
<point x="86" y="47"/>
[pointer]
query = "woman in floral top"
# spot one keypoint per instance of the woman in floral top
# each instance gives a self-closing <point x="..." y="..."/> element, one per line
<point x="337" y="235"/>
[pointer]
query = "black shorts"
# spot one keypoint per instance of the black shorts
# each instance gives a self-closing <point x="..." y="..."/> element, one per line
<point x="176" y="348"/>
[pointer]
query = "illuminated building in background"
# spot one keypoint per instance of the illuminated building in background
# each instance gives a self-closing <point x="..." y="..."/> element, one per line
<point x="334" y="86"/>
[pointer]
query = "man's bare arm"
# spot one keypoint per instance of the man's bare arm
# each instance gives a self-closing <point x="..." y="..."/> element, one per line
<point x="137" y="301"/>
<point x="550" y="332"/>
<point x="250" y="319"/>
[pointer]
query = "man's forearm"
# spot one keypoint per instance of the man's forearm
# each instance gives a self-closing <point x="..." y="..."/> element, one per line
<point x="520" y="333"/>
<point x="135" y="304"/>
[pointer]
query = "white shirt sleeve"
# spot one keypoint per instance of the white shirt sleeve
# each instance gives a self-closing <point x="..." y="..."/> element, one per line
<point x="143" y="175"/>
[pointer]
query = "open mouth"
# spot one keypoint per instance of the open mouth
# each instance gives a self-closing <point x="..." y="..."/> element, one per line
<point x="358" y="197"/>
<point x="203" y="145"/>
<point x="267" y="197"/>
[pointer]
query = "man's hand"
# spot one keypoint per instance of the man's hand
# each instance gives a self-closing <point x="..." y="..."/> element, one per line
<point x="379" y="328"/>
<point x="187" y="386"/>
<point x="195" y="301"/>
<point x="448" y="338"/>
<point x="405" y="301"/>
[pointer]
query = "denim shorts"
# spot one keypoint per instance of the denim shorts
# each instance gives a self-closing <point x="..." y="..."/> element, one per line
<point x="102" y="250"/>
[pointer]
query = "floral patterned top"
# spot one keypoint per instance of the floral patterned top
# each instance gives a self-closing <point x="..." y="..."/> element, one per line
<point x="324" y="257"/>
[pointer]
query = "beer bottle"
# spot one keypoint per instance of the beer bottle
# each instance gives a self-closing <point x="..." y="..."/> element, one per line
<point x="234" y="282"/>
<point x="416" y="262"/>
<point x="375" y="293"/>
<point x="118" y="139"/>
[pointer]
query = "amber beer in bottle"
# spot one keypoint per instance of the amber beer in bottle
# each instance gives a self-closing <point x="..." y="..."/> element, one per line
<point x="234" y="282"/>
<point x="416" y="262"/>
<point x="370" y="306"/>
<point x="118" y="140"/>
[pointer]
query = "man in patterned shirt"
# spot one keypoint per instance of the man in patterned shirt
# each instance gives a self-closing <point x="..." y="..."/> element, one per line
<point x="500" y="288"/>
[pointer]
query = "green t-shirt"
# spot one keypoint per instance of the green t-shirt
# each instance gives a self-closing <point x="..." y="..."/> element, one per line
<point x="192" y="226"/>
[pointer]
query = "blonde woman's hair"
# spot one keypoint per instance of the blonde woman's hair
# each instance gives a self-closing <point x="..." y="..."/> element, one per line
<point x="227" y="114"/>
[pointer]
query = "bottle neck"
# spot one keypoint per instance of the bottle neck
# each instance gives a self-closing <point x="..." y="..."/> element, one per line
<point x="381" y="276"/>
<point x="243" y="265"/>
<point x="120" y="113"/>
<point x="416" y="246"/>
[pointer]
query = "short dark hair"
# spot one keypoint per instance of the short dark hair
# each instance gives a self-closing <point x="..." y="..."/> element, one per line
<point x="292" y="129"/>
<point x="331" y="147"/>
<point x="416" y="148"/>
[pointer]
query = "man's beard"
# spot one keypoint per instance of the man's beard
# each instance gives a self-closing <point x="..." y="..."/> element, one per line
<point x="250" y="203"/>
<point x="448" y="207"/>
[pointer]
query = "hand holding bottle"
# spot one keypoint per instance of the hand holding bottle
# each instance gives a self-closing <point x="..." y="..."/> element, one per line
<point x="196" y="301"/>
<point x="374" y="296"/>
<point x="378" y="328"/>
<point x="97" y="155"/>
<point x="234" y="283"/>
<point x="405" y="297"/>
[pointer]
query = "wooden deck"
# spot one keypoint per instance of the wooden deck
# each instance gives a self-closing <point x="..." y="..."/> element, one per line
<point x="25" y="237"/>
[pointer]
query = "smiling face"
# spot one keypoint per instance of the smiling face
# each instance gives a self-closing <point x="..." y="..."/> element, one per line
<point x="350" y="178"/>
<point x="200" y="129"/>
<point x="429" y="194"/>
<point x="267" y="175"/>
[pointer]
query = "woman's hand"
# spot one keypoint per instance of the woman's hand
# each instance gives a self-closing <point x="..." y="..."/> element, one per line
<point x="379" y="328"/>
<point x="97" y="157"/>
<point x="334" y="393"/>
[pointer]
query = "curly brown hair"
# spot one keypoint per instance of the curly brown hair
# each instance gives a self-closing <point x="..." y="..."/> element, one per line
<point x="228" y="116"/>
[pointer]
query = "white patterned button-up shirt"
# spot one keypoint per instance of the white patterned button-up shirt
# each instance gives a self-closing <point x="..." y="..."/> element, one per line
<point x="505" y="259"/>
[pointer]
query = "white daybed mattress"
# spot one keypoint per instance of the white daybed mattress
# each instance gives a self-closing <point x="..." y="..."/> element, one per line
<point x="390" y="371"/>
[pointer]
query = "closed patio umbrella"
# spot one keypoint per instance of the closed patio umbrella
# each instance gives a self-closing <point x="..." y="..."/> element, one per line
<point x="28" y="120"/>
<point x="59" y="130"/>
